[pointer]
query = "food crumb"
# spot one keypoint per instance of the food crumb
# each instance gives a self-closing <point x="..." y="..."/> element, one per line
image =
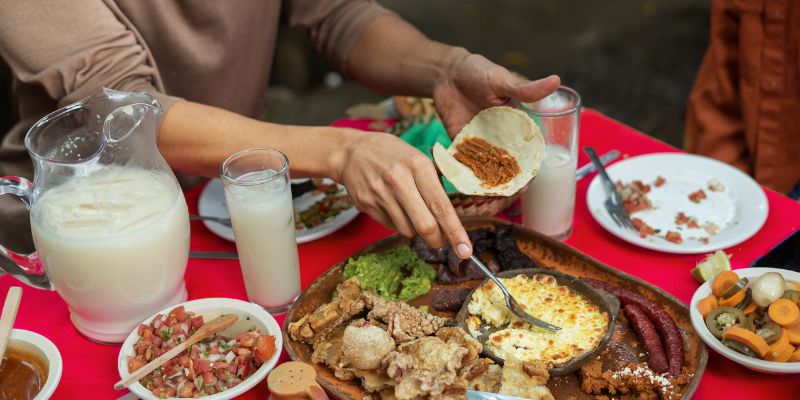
<point x="659" y="181"/>
<point x="697" y="196"/>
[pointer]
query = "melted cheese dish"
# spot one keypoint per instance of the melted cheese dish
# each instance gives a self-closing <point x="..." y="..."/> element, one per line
<point x="583" y="324"/>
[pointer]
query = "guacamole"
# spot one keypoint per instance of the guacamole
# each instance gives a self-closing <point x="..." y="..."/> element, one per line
<point x="395" y="275"/>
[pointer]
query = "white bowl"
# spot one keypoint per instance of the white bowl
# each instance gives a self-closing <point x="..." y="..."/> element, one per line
<point x="250" y="315"/>
<point x="699" y="323"/>
<point x="40" y="346"/>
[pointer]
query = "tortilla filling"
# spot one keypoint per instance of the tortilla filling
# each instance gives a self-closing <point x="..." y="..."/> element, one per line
<point x="493" y="165"/>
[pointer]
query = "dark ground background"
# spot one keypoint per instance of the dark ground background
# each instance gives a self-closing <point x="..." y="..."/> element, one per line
<point x="634" y="60"/>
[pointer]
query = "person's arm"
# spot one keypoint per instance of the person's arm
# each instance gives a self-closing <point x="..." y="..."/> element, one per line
<point x="392" y="56"/>
<point x="386" y="178"/>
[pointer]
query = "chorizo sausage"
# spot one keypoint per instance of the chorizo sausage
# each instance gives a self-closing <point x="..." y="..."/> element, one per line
<point x="648" y="336"/>
<point x="670" y="335"/>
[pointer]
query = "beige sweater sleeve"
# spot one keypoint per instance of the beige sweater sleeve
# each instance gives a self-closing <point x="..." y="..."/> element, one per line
<point x="73" y="48"/>
<point x="333" y="25"/>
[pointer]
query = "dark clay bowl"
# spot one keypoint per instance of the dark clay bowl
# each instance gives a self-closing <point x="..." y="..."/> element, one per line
<point x="605" y="301"/>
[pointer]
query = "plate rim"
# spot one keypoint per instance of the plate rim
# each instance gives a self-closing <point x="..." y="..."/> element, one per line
<point x="702" y="248"/>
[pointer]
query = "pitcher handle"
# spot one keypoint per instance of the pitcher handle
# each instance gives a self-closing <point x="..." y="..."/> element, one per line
<point x="25" y="267"/>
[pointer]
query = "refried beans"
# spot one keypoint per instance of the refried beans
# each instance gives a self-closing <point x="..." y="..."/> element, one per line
<point x="493" y="165"/>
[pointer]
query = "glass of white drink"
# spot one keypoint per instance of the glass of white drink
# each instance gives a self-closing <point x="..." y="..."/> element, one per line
<point x="259" y="197"/>
<point x="549" y="202"/>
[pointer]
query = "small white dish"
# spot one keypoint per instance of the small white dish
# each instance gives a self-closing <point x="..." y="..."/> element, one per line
<point x="42" y="347"/>
<point x="250" y="315"/>
<point x="699" y="324"/>
<point x="740" y="209"/>
<point x="212" y="203"/>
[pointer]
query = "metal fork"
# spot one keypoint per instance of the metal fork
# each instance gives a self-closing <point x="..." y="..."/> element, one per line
<point x="511" y="303"/>
<point x="219" y="220"/>
<point x="614" y="204"/>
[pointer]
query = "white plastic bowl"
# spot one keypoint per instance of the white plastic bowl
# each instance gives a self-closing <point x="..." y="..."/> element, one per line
<point x="40" y="346"/>
<point x="699" y="323"/>
<point x="250" y="315"/>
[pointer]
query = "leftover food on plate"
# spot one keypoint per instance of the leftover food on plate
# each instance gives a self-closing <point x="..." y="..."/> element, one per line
<point x="331" y="200"/>
<point x="641" y="201"/>
<point x="496" y="154"/>
<point x="759" y="317"/>
<point x="397" y="351"/>
<point x="398" y="274"/>
<point x="208" y="367"/>
<point x="583" y="324"/>
<point x="22" y="374"/>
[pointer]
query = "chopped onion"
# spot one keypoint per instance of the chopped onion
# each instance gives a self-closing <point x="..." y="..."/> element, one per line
<point x="187" y="372"/>
<point x="229" y="357"/>
<point x="181" y="385"/>
<point x="185" y="327"/>
<point x="157" y="323"/>
<point x="215" y="357"/>
<point x="231" y="342"/>
<point x="175" y="375"/>
<point x="169" y="342"/>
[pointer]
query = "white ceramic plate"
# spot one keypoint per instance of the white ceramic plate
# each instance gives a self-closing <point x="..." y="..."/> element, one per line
<point x="212" y="203"/>
<point x="699" y="324"/>
<point x="39" y="345"/>
<point x="250" y="315"/>
<point x="739" y="210"/>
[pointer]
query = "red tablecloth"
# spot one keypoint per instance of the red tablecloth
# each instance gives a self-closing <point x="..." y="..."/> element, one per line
<point x="90" y="369"/>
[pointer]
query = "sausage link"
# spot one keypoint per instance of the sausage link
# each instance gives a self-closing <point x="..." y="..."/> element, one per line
<point x="670" y="335"/>
<point x="648" y="336"/>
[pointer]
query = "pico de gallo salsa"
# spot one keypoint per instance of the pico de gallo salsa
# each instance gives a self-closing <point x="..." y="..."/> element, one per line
<point x="208" y="367"/>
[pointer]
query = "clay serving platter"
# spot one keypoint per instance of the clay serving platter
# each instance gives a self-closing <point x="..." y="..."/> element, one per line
<point x="606" y="302"/>
<point x="548" y="254"/>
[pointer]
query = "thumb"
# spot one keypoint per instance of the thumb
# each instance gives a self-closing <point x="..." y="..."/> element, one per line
<point x="529" y="91"/>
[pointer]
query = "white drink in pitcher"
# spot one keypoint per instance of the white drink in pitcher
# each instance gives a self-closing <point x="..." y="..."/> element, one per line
<point x="262" y="215"/>
<point x="548" y="204"/>
<point x="115" y="244"/>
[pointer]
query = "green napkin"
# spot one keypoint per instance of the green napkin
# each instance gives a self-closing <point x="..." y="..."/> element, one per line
<point x="423" y="135"/>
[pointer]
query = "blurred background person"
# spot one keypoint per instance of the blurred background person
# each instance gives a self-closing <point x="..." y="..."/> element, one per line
<point x="744" y="108"/>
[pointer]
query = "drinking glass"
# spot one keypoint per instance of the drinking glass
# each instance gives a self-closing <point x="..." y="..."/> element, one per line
<point x="259" y="198"/>
<point x="549" y="203"/>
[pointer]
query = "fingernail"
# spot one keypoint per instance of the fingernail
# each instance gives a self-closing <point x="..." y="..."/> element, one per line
<point x="463" y="250"/>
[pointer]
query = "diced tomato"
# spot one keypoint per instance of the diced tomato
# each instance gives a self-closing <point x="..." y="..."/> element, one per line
<point x="674" y="237"/>
<point x="660" y="181"/>
<point x="695" y="197"/>
<point x="196" y="322"/>
<point x="642" y="227"/>
<point x="704" y="240"/>
<point x="135" y="363"/>
<point x="247" y="339"/>
<point x="692" y="223"/>
<point x="201" y="365"/>
<point x="209" y="378"/>
<point x="265" y="348"/>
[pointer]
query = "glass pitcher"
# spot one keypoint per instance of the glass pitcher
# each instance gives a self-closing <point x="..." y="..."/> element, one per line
<point x="108" y="217"/>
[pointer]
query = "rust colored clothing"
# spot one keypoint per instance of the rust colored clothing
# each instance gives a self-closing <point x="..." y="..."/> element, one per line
<point x="744" y="108"/>
<point x="213" y="52"/>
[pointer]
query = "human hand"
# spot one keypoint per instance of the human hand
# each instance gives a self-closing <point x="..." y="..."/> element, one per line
<point x="399" y="187"/>
<point x="472" y="83"/>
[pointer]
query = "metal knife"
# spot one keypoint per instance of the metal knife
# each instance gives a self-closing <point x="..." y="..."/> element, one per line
<point x="589" y="168"/>
<point x="214" y="255"/>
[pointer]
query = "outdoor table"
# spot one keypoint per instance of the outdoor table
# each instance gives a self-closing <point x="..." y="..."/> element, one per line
<point x="90" y="369"/>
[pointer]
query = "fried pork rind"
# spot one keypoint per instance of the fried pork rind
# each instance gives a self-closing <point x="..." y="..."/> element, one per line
<point x="426" y="368"/>
<point x="364" y="345"/>
<point x="330" y="352"/>
<point x="405" y="322"/>
<point x="328" y="316"/>
<point x="525" y="379"/>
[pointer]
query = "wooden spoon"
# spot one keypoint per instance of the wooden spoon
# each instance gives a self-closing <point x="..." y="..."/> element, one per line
<point x="205" y="331"/>
<point x="294" y="380"/>
<point x="8" y="316"/>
